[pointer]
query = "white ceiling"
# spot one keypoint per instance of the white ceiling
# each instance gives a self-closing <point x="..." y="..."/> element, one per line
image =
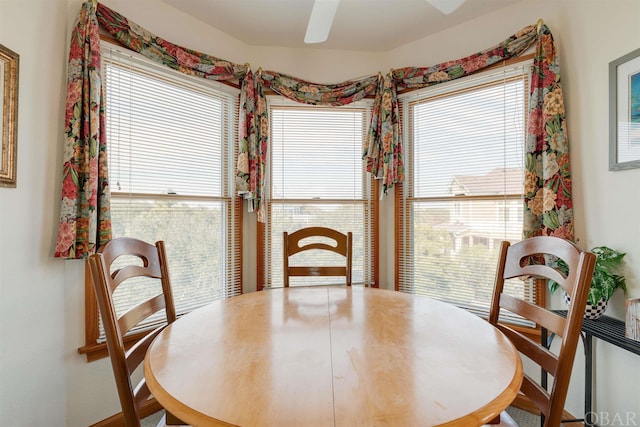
<point x="363" y="25"/>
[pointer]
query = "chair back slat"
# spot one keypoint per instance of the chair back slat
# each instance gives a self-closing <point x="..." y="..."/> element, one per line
<point x="138" y="351"/>
<point x="537" y="395"/>
<point x="543" y="357"/>
<point x="317" y="271"/>
<point x="539" y="315"/>
<point x="131" y="271"/>
<point x="136" y="314"/>
<point x="141" y="394"/>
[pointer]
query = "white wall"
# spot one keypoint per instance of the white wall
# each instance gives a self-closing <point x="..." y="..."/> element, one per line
<point x="44" y="381"/>
<point x="32" y="295"/>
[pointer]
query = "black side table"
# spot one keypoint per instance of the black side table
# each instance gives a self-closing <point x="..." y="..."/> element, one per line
<point x="607" y="329"/>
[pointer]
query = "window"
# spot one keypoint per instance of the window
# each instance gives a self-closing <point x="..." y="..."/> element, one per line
<point x="464" y="189"/>
<point x="317" y="178"/>
<point x="170" y="140"/>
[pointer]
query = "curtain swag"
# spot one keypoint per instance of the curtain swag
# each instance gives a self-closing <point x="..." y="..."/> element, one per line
<point x="159" y="50"/>
<point x="85" y="212"/>
<point x="318" y="94"/>
<point x="85" y="219"/>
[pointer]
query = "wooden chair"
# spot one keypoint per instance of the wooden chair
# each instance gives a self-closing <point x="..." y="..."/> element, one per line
<point x="343" y="246"/>
<point x="148" y="261"/>
<point x="513" y="262"/>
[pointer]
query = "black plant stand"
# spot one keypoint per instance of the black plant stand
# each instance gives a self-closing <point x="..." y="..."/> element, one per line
<point x="607" y="329"/>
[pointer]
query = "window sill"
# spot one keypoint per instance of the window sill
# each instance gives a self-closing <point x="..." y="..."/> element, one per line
<point x="97" y="351"/>
<point x="533" y="334"/>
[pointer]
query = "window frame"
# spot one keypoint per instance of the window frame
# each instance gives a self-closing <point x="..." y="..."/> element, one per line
<point x="95" y="348"/>
<point x="402" y="220"/>
<point x="263" y="243"/>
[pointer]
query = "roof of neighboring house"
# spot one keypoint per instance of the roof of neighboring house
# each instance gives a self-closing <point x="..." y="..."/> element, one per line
<point x="491" y="183"/>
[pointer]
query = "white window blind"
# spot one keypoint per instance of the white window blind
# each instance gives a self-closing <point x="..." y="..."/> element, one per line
<point x="317" y="178"/>
<point x="464" y="190"/>
<point x="170" y="142"/>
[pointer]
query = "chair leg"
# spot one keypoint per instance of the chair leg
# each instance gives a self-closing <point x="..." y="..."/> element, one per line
<point x="496" y="420"/>
<point x="502" y="420"/>
<point x="172" y="420"/>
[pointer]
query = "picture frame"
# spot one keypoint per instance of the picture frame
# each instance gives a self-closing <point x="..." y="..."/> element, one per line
<point x="624" y="112"/>
<point x="9" y="69"/>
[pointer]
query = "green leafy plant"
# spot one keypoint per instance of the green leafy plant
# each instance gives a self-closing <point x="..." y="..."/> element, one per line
<point x="606" y="278"/>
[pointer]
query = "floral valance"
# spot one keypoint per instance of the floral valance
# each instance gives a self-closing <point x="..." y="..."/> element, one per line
<point x="159" y="50"/>
<point x="85" y="212"/>
<point x="513" y="46"/>
<point x="318" y="94"/>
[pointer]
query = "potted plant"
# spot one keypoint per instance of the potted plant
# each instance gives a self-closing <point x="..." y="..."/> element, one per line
<point x="606" y="279"/>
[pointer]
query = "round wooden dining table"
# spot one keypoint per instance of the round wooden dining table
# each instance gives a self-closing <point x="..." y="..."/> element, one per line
<point x="332" y="356"/>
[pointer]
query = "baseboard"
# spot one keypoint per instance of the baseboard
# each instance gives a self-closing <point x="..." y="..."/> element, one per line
<point x="151" y="406"/>
<point x="522" y="402"/>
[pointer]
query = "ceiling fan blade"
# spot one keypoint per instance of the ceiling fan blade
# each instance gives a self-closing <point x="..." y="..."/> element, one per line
<point x="446" y="6"/>
<point x="320" y="21"/>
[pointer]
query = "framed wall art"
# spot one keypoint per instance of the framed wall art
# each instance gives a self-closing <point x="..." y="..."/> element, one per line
<point x="624" y="112"/>
<point x="9" y="107"/>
